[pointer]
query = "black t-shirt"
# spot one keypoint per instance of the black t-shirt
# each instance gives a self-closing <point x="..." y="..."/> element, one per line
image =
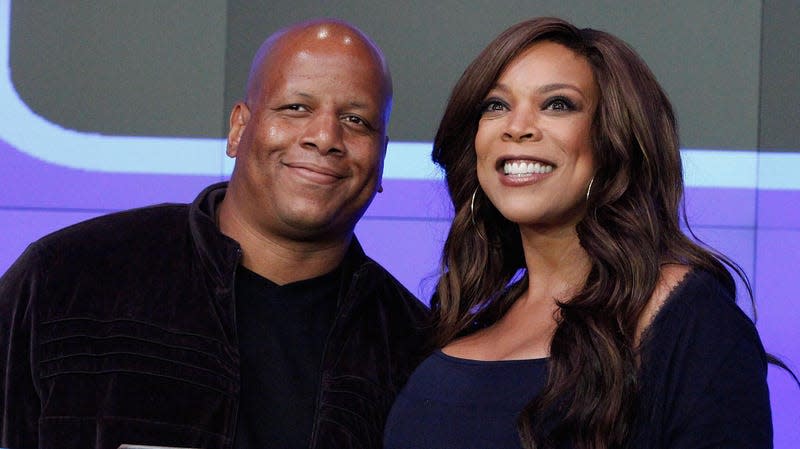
<point x="282" y="331"/>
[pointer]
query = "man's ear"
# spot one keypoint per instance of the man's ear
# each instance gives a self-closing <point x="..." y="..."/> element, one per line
<point x="383" y="160"/>
<point x="240" y="115"/>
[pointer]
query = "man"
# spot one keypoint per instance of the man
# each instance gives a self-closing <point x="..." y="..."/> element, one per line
<point x="250" y="318"/>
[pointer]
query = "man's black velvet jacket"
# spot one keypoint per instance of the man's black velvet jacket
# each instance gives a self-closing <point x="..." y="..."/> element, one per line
<point x="122" y="329"/>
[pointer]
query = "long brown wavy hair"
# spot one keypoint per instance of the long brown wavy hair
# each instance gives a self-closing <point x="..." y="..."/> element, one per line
<point x="632" y="228"/>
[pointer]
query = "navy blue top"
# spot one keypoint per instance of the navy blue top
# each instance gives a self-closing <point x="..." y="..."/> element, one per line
<point x="702" y="384"/>
<point x="477" y="402"/>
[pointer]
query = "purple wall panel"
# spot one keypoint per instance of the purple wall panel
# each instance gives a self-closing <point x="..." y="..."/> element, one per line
<point x="726" y="207"/>
<point x="738" y="244"/>
<point x="409" y="249"/>
<point x="21" y="227"/>
<point x="779" y="209"/>
<point x="785" y="398"/>
<point x="406" y="225"/>
<point x="411" y="199"/>
<point x="31" y="183"/>
<point x="778" y="287"/>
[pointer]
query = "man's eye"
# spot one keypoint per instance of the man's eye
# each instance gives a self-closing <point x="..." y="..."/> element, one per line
<point x="356" y="120"/>
<point x="295" y="107"/>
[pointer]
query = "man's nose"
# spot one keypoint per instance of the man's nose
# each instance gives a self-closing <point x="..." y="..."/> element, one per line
<point x="324" y="133"/>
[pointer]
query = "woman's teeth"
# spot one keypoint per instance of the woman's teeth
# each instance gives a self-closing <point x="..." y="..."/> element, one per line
<point x="521" y="168"/>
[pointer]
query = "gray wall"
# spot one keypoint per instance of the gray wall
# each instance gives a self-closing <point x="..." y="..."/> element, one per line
<point x="779" y="117"/>
<point x="125" y="67"/>
<point x="175" y="67"/>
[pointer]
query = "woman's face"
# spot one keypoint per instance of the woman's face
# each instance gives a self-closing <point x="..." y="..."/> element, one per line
<point x="534" y="144"/>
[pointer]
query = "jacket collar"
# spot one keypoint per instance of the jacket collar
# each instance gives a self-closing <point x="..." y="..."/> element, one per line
<point x="220" y="254"/>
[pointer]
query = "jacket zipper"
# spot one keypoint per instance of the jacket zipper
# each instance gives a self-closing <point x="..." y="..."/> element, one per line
<point x="235" y="414"/>
<point x="345" y="308"/>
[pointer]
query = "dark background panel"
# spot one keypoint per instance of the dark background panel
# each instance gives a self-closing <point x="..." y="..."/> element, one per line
<point x="122" y="67"/>
<point x="175" y="67"/>
<point x="706" y="54"/>
<point x="779" y="109"/>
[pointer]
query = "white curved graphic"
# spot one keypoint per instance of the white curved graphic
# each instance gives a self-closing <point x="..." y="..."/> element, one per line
<point x="49" y="142"/>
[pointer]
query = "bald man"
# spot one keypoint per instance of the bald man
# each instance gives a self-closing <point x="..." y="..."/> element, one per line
<point x="250" y="318"/>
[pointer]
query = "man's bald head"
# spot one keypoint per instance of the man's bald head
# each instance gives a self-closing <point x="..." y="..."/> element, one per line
<point x="321" y="35"/>
<point x="310" y="138"/>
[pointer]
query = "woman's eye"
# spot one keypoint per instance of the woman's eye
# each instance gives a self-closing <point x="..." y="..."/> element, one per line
<point x="559" y="104"/>
<point x="493" y="106"/>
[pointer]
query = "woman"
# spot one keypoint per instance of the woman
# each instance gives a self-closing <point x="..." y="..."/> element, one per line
<point x="571" y="310"/>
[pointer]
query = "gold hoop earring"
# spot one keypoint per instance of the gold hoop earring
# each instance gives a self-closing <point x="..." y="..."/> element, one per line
<point x="472" y="215"/>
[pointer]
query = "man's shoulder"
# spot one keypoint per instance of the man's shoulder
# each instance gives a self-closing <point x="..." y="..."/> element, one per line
<point x="111" y="243"/>
<point x="94" y="243"/>
<point x="391" y="292"/>
<point x="144" y="222"/>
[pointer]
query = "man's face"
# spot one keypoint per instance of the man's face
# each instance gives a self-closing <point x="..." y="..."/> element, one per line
<point x="310" y="142"/>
